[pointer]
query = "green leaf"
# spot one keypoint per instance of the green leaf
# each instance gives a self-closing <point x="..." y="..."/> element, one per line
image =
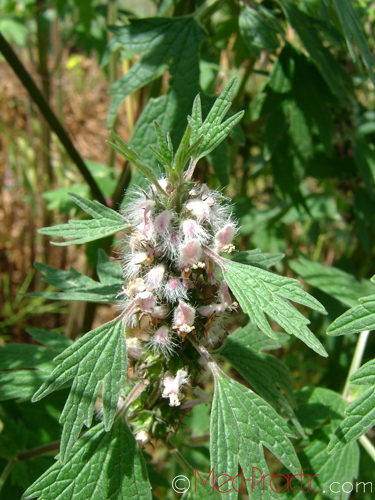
<point x="250" y="336"/>
<point x="134" y="158"/>
<point x="212" y="129"/>
<point x="261" y="292"/>
<point x="76" y="286"/>
<point x="315" y="460"/>
<point x="241" y="423"/>
<point x="360" y="414"/>
<point x="265" y="373"/>
<point x="109" y="272"/>
<point x="257" y="32"/>
<point x="332" y="281"/>
<point x="357" y="319"/>
<point x="317" y="405"/>
<point x="105" y="222"/>
<point x="364" y="375"/>
<point x="257" y="258"/>
<point x="161" y="42"/>
<point x="24" y="367"/>
<point x="305" y="26"/>
<point x="103" y="465"/>
<point x="96" y="359"/>
<point x="353" y="30"/>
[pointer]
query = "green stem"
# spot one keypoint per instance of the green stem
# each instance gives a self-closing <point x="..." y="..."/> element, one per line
<point x="357" y="359"/>
<point x="368" y="446"/>
<point x="185" y="466"/>
<point x="49" y="115"/>
<point x="39" y="451"/>
<point x="7" y="470"/>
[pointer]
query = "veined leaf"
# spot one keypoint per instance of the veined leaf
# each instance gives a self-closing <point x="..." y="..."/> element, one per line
<point x="212" y="129"/>
<point x="96" y="359"/>
<point x="328" y="66"/>
<point x="265" y="373"/>
<point x="104" y="223"/>
<point x="169" y="110"/>
<point x="319" y="406"/>
<point x="258" y="33"/>
<point x="360" y="414"/>
<point x="315" y="461"/>
<point x="354" y="31"/>
<point x="332" y="281"/>
<point x="257" y="258"/>
<point x="241" y="423"/>
<point x="103" y="465"/>
<point x="24" y="367"/>
<point x="161" y="42"/>
<point x="357" y="319"/>
<point x="77" y="286"/>
<point x="261" y="292"/>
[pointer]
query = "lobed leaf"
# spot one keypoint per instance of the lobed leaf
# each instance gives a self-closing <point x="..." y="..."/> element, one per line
<point x="241" y="424"/>
<point x="357" y="319"/>
<point x="354" y="31"/>
<point x="103" y="465"/>
<point x="261" y="292"/>
<point x="24" y="367"/>
<point x="258" y="33"/>
<point x="265" y="373"/>
<point x="77" y="286"/>
<point x="332" y="281"/>
<point x="326" y="468"/>
<point x="257" y="258"/>
<point x="105" y="223"/>
<point x="212" y="129"/>
<point x="96" y="359"/>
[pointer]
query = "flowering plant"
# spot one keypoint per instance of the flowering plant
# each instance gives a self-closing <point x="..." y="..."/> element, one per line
<point x="176" y="290"/>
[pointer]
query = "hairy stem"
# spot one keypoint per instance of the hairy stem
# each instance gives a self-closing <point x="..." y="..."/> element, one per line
<point x="49" y="115"/>
<point x="357" y="359"/>
<point x="185" y="466"/>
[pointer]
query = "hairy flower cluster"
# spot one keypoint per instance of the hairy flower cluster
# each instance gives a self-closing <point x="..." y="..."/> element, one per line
<point x="173" y="285"/>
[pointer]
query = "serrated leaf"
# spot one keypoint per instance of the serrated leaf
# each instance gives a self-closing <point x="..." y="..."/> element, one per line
<point x="24" y="367"/>
<point x="75" y="286"/>
<point x="103" y="465"/>
<point x="354" y="31"/>
<point x="317" y="405"/>
<point x="332" y="281"/>
<point x="212" y="129"/>
<point x="257" y="258"/>
<point x="161" y="42"/>
<point x="357" y="319"/>
<point x="241" y="423"/>
<point x="105" y="223"/>
<point x="265" y="373"/>
<point x="257" y="32"/>
<point x="127" y="152"/>
<point x="364" y="375"/>
<point x="261" y="292"/>
<point x="326" y="468"/>
<point x="327" y="64"/>
<point x="109" y="272"/>
<point x="360" y="414"/>
<point x="96" y="359"/>
<point x="250" y="336"/>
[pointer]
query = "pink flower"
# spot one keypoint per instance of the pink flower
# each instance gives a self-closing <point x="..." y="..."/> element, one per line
<point x="184" y="315"/>
<point x="162" y="222"/>
<point x="155" y="276"/>
<point x="201" y="209"/>
<point x="224" y="238"/>
<point x="190" y="253"/>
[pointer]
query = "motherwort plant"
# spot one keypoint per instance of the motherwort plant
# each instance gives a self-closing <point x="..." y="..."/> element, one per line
<point x="176" y="285"/>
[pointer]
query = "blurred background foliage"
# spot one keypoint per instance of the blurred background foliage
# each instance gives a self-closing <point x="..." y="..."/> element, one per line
<point x="300" y="167"/>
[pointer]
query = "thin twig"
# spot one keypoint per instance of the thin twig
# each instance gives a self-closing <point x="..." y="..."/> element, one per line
<point x="368" y="446"/>
<point x="49" y="115"/>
